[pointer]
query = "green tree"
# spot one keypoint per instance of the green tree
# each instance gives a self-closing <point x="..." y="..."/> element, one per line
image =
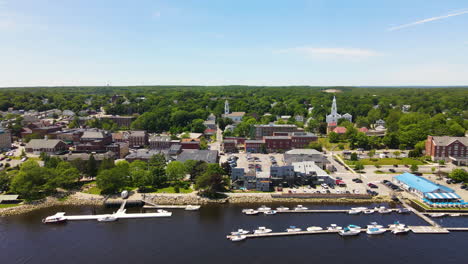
<point x="371" y="153"/>
<point x="397" y="154"/>
<point x="92" y="166"/>
<point x="5" y="180"/>
<point x="354" y="156"/>
<point x="358" y="166"/>
<point x="414" y="168"/>
<point x="197" y="126"/>
<point x="213" y="179"/>
<point x="64" y="175"/>
<point x="195" y="168"/>
<point x="157" y="165"/>
<point x="112" y="180"/>
<point x="175" y="171"/>
<point x="459" y="175"/>
<point x="333" y="137"/>
<point x="315" y="145"/>
<point x="30" y="181"/>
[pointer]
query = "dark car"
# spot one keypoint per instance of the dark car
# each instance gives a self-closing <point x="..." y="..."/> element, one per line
<point x="418" y="174"/>
<point x="392" y="170"/>
<point x="385" y="181"/>
<point x="395" y="165"/>
<point x="464" y="186"/>
<point x="358" y="181"/>
<point x="372" y="185"/>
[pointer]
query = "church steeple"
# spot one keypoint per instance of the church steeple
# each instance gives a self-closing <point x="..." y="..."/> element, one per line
<point x="334" y="110"/>
<point x="226" y="107"/>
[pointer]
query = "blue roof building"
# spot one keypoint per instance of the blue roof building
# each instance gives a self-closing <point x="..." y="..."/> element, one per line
<point x="424" y="187"/>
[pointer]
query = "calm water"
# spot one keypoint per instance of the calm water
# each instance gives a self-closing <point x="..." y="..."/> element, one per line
<point x="199" y="237"/>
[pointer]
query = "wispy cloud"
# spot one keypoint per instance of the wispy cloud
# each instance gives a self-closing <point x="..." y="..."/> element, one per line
<point x="156" y="14"/>
<point x="428" y="20"/>
<point x="340" y="52"/>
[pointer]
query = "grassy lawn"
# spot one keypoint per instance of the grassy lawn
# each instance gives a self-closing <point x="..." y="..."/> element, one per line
<point x="8" y="205"/>
<point x="93" y="190"/>
<point x="170" y="189"/>
<point x="387" y="161"/>
<point x="326" y="144"/>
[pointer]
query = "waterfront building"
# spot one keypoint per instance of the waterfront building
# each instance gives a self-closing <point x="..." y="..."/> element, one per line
<point x="447" y="148"/>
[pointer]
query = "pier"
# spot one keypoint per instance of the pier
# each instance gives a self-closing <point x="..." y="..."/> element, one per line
<point x="323" y="211"/>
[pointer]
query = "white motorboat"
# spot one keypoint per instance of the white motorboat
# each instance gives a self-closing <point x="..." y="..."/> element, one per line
<point x="353" y="227"/>
<point x="238" y="238"/>
<point x="384" y="211"/>
<point x="349" y="232"/>
<point x="454" y="214"/>
<point x="403" y="211"/>
<point x="162" y="211"/>
<point x="396" y="224"/>
<point x="263" y="208"/>
<point x="300" y="207"/>
<point x="246" y="210"/>
<point x="334" y="227"/>
<point x="293" y="229"/>
<point x="400" y="230"/>
<point x="56" y="218"/>
<point x="282" y="208"/>
<point x="375" y="231"/>
<point x="107" y="218"/>
<point x="369" y="211"/>
<point x="251" y="212"/>
<point x="359" y="208"/>
<point x="240" y="232"/>
<point x="374" y="225"/>
<point x="314" y="228"/>
<point x="271" y="212"/>
<point x="192" y="207"/>
<point x="262" y="230"/>
<point x="354" y="212"/>
<point x="438" y="215"/>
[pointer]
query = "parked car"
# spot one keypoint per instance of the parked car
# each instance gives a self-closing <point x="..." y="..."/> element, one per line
<point x="395" y="165"/>
<point x="392" y="170"/>
<point x="372" y="185"/>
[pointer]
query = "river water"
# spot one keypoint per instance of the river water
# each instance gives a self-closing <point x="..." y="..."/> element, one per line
<point x="200" y="237"/>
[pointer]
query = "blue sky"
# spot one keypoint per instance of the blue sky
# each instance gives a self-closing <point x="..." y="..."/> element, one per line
<point x="255" y="42"/>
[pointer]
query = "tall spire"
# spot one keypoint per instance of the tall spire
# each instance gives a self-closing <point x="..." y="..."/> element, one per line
<point x="226" y="107"/>
<point x="334" y="109"/>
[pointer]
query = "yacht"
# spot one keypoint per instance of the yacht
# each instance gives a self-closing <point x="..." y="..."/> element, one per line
<point x="374" y="225"/>
<point x="396" y="224"/>
<point x="369" y="211"/>
<point x="251" y="212"/>
<point x="56" y="218"/>
<point x="400" y="230"/>
<point x="192" y="207"/>
<point x="271" y="212"/>
<point x="403" y="211"/>
<point x="354" y="227"/>
<point x="240" y="232"/>
<point x="282" y="208"/>
<point x="375" y="231"/>
<point x="262" y="230"/>
<point x="263" y="208"/>
<point x="314" y="228"/>
<point x="293" y="229"/>
<point x="349" y="232"/>
<point x="300" y="207"/>
<point x="354" y="212"/>
<point x="334" y="227"/>
<point x="238" y="238"/>
<point x="437" y="215"/>
<point x="107" y="218"/>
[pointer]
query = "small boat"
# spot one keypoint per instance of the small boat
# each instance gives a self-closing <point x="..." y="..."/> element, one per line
<point x="354" y="227"/>
<point x="438" y="215"/>
<point x="334" y="227"/>
<point x="56" y="218"/>
<point x="374" y="225"/>
<point x="396" y="224"/>
<point x="251" y="212"/>
<point x="262" y="230"/>
<point x="293" y="229"/>
<point x="403" y="211"/>
<point x="240" y="232"/>
<point x="246" y="210"/>
<point x="369" y="211"/>
<point x="349" y="232"/>
<point x="263" y="208"/>
<point x="454" y="214"/>
<point x="238" y="238"/>
<point x="282" y="208"/>
<point x="359" y="208"/>
<point x="384" y="211"/>
<point x="354" y="212"/>
<point x="271" y="212"/>
<point x="162" y="211"/>
<point x="192" y="207"/>
<point x="300" y="207"/>
<point x="107" y="218"/>
<point x="314" y="228"/>
<point x="375" y="231"/>
<point x="400" y="230"/>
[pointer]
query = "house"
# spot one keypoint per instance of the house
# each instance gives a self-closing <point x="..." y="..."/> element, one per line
<point x="380" y="122"/>
<point x="333" y="117"/>
<point x="363" y="129"/>
<point x="447" y="148"/>
<point x="94" y="140"/>
<point x="49" y="146"/>
<point x="302" y="139"/>
<point x="210" y="124"/>
<point x="235" y="116"/>
<point x="121" y="149"/>
<point x="209" y="156"/>
<point x="425" y="189"/>
<point x="309" y="172"/>
<point x="146" y="154"/>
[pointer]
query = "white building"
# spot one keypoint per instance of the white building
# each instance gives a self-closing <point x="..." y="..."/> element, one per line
<point x="333" y="117"/>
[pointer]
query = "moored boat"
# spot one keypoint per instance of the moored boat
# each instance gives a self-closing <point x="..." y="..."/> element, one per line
<point x="438" y="215"/>
<point x="282" y="208"/>
<point x="107" y="218"/>
<point x="192" y="207"/>
<point x="369" y="211"/>
<point x="56" y="218"/>
<point x="251" y="212"/>
<point x="334" y="227"/>
<point x="375" y="231"/>
<point x="263" y="208"/>
<point x="240" y="232"/>
<point x="454" y="214"/>
<point x="293" y="229"/>
<point x="354" y="227"/>
<point x="349" y="232"/>
<point x="300" y="207"/>
<point x="396" y="224"/>
<point x="403" y="211"/>
<point x="262" y="230"/>
<point x="400" y="230"/>
<point x="384" y="211"/>
<point x="238" y="238"/>
<point x="354" y="212"/>
<point x="271" y="212"/>
<point x="374" y="225"/>
<point x="314" y="228"/>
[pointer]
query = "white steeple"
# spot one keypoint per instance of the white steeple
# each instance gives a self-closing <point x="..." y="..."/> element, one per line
<point x="226" y="107"/>
<point x="334" y="109"/>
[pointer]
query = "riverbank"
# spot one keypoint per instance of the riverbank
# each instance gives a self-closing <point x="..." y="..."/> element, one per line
<point x="78" y="199"/>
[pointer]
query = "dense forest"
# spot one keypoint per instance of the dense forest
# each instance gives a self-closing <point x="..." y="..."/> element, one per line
<point x="435" y="111"/>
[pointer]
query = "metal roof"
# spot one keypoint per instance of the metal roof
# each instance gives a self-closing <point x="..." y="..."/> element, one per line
<point x="43" y="143"/>
<point x="421" y="184"/>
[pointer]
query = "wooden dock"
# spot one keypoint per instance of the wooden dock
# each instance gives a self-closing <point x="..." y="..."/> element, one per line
<point x="428" y="230"/>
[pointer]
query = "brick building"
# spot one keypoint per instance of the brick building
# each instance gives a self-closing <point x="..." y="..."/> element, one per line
<point x="254" y="146"/>
<point x="190" y="143"/>
<point x="447" y="148"/>
<point x="277" y="143"/>
<point x="229" y="146"/>
<point x="121" y="121"/>
<point x="302" y="139"/>
<point x="49" y="146"/>
<point x="137" y="139"/>
<point x="5" y="140"/>
<point x="261" y="131"/>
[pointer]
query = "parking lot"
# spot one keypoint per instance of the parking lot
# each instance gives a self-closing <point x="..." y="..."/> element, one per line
<point x="252" y="160"/>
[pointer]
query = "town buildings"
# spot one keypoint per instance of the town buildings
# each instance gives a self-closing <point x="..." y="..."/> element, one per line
<point x="48" y="146"/>
<point x="236" y="117"/>
<point x="333" y="117"/>
<point x="447" y="148"/>
<point x="261" y="131"/>
<point x="5" y="140"/>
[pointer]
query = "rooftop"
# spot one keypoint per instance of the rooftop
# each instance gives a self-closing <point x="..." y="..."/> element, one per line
<point x="210" y="156"/>
<point x="446" y="140"/>
<point x="43" y="143"/>
<point x="421" y="184"/>
<point x="303" y="152"/>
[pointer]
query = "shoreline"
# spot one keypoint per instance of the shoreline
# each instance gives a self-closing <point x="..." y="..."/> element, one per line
<point x="82" y="199"/>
